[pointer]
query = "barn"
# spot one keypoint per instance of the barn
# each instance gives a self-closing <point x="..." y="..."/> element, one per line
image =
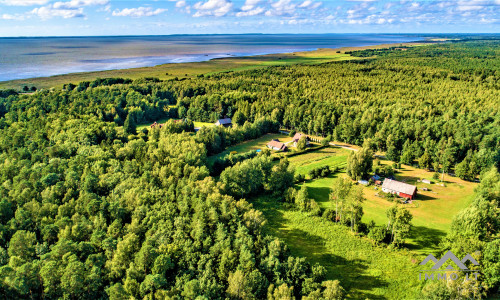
<point x="399" y="188"/>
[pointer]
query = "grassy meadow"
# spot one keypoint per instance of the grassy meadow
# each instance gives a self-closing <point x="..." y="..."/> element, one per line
<point x="365" y="270"/>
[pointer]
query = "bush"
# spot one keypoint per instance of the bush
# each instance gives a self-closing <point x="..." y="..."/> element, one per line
<point x="320" y="172"/>
<point x="329" y="214"/>
<point x="299" y="178"/>
<point x="378" y="234"/>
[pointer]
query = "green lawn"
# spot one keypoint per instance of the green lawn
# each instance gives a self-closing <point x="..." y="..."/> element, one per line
<point x="201" y="124"/>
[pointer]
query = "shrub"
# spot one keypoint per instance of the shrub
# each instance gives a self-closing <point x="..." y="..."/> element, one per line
<point x="377" y="234"/>
<point x="329" y="214"/>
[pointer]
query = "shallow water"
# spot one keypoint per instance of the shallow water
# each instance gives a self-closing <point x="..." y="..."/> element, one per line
<point x="44" y="56"/>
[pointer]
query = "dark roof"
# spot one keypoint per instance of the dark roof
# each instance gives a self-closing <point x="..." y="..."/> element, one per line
<point x="276" y="144"/>
<point x="224" y="121"/>
<point x="399" y="186"/>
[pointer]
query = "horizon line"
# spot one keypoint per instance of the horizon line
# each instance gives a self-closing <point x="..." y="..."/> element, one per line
<point x="252" y="33"/>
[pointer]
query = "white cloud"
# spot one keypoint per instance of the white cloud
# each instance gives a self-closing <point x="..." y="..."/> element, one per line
<point x="48" y="12"/>
<point x="308" y="4"/>
<point x="67" y="9"/>
<point x="23" y="2"/>
<point x="254" y="12"/>
<point x="75" y="4"/>
<point x="281" y="8"/>
<point x="216" y="8"/>
<point x="179" y="3"/>
<point x="138" y="12"/>
<point x="16" y="17"/>
<point x="250" y="4"/>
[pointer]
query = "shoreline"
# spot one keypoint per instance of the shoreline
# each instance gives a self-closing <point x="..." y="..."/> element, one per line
<point x="213" y="65"/>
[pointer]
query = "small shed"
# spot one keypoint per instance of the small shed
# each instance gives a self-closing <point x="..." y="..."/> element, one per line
<point x="426" y="181"/>
<point x="363" y="182"/>
<point x="226" y="122"/>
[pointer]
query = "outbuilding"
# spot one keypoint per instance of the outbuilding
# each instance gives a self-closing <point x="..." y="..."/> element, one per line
<point x="226" y="122"/>
<point x="276" y="145"/>
<point x="399" y="188"/>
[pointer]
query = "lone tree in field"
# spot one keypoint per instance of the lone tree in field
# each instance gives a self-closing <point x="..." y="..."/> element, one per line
<point x="399" y="223"/>
<point x="359" y="163"/>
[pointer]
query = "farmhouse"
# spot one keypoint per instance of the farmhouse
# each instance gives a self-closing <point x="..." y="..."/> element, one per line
<point x="399" y="188"/>
<point x="276" y="145"/>
<point x="156" y="124"/>
<point x="226" y="122"/>
<point x="297" y="137"/>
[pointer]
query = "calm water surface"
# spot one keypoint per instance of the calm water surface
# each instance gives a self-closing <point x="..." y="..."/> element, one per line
<point x="45" y="56"/>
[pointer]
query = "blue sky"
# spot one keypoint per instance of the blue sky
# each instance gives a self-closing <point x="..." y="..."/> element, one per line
<point x="109" y="17"/>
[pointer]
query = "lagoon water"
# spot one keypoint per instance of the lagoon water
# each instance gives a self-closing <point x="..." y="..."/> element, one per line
<point x="45" y="56"/>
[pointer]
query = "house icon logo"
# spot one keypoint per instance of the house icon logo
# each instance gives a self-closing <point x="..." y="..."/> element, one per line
<point x="436" y="272"/>
<point x="449" y="256"/>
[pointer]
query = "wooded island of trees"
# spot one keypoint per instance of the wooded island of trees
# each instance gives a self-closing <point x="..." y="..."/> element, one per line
<point x="93" y="207"/>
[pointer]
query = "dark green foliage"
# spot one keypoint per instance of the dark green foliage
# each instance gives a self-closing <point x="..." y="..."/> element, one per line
<point x="318" y="172"/>
<point x="475" y="229"/>
<point x="220" y="163"/>
<point x="129" y="126"/>
<point x="255" y="175"/>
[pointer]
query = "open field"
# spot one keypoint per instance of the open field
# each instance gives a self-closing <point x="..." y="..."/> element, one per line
<point x="432" y="212"/>
<point x="330" y="156"/>
<point x="183" y="70"/>
<point x="366" y="271"/>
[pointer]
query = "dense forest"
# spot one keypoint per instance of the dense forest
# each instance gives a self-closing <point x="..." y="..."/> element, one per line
<point x="91" y="207"/>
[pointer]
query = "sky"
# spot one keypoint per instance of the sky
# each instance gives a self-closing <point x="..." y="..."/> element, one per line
<point x="163" y="17"/>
